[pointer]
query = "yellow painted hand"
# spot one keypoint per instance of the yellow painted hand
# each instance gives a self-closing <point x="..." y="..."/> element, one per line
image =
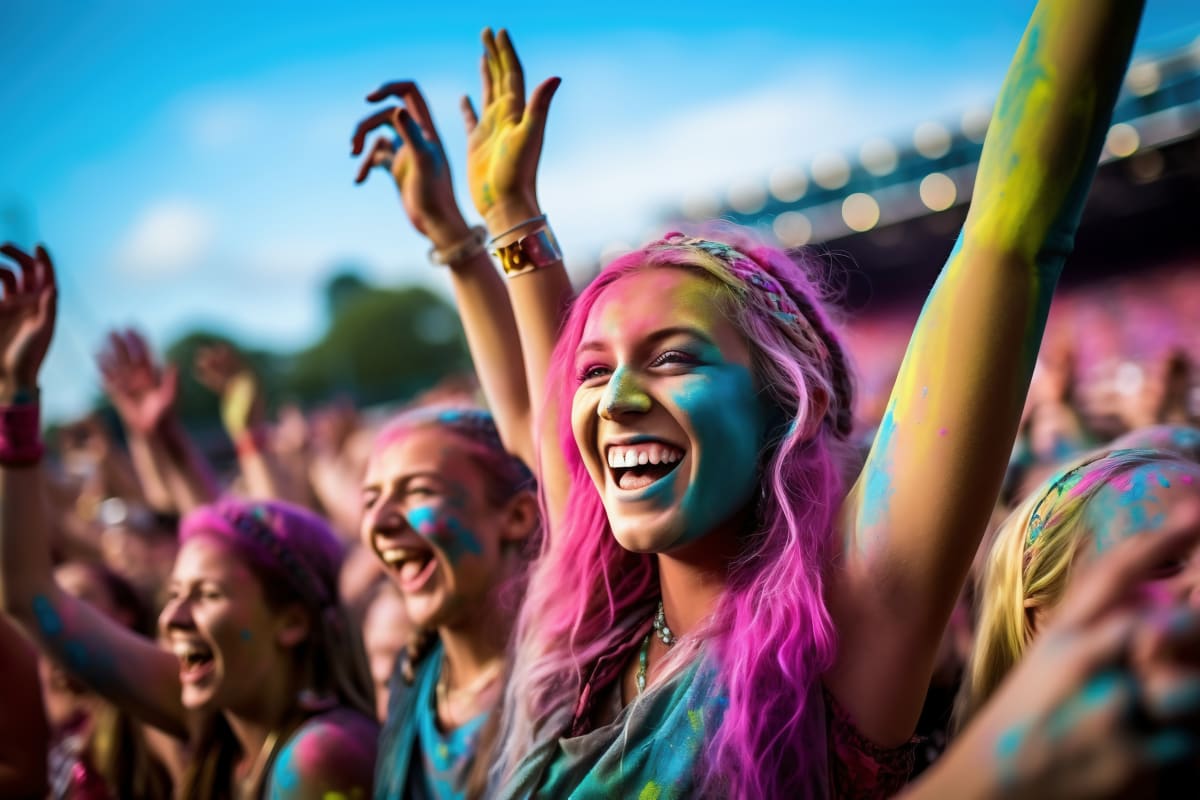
<point x="504" y="143"/>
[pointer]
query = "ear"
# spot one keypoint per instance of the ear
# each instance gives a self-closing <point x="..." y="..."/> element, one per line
<point x="292" y="626"/>
<point x="1036" y="615"/>
<point x="520" y="517"/>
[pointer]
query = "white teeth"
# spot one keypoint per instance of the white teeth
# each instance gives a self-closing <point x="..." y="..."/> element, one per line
<point x="640" y="455"/>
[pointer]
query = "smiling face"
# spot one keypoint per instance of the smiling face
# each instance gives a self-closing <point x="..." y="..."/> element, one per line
<point x="428" y="517"/>
<point x="230" y="643"/>
<point x="666" y="415"/>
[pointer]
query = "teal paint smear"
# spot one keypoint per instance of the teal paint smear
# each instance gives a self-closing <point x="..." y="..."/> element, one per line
<point x="878" y="488"/>
<point x="48" y="620"/>
<point x="729" y="423"/>
<point x="285" y="775"/>
<point x="447" y="532"/>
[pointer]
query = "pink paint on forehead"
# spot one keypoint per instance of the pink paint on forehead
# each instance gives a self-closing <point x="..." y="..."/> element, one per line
<point x="643" y="301"/>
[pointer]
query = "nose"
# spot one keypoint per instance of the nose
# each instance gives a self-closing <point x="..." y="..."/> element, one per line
<point x="386" y="518"/>
<point x="176" y="614"/>
<point x="623" y="395"/>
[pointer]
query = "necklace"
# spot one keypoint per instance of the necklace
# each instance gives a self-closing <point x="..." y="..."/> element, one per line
<point x="250" y="784"/>
<point x="664" y="635"/>
<point x="485" y="679"/>
<point x="660" y="627"/>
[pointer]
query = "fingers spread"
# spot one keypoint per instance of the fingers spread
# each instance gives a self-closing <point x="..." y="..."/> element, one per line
<point x="381" y="155"/>
<point x="9" y="281"/>
<point x="485" y="80"/>
<point x="510" y="65"/>
<point x="470" y="118"/>
<point x="413" y="99"/>
<point x="384" y="116"/>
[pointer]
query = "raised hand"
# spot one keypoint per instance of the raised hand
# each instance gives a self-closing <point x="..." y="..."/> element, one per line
<point x="223" y="370"/>
<point x="27" y="313"/>
<point x="504" y="142"/>
<point x="142" y="392"/>
<point x="416" y="160"/>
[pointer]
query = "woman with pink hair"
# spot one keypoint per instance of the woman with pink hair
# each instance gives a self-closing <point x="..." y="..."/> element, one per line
<point x="256" y="667"/>
<point x="716" y="609"/>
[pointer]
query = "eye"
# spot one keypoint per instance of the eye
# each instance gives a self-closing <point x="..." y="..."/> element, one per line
<point x="421" y="490"/>
<point x="592" y="372"/>
<point x="677" y="357"/>
<point x="370" y="499"/>
<point x="1167" y="569"/>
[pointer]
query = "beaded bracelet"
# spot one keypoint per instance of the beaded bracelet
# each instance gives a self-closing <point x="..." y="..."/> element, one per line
<point x="461" y="250"/>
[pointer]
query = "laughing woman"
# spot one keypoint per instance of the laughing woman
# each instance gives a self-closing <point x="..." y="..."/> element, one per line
<point x="260" y="672"/>
<point x="449" y="513"/>
<point x="712" y="612"/>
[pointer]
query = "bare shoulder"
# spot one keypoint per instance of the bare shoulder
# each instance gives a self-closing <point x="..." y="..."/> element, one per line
<point x="330" y="755"/>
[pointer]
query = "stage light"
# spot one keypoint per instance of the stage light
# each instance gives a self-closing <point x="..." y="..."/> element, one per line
<point x="830" y="171"/>
<point x="938" y="191"/>
<point x="1143" y="78"/>
<point x="931" y="139"/>
<point x="878" y="156"/>
<point x="788" y="184"/>
<point x="860" y="212"/>
<point x="1122" y="140"/>
<point x="975" y="123"/>
<point x="747" y="197"/>
<point x="792" y="229"/>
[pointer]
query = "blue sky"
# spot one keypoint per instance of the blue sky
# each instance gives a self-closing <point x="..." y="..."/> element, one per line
<point x="188" y="163"/>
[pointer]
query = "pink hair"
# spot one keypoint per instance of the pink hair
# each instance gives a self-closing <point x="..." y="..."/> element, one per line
<point x="770" y="637"/>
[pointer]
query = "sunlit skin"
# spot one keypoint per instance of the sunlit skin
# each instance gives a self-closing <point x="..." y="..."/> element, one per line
<point x="215" y="602"/>
<point x="661" y="365"/>
<point x="424" y="496"/>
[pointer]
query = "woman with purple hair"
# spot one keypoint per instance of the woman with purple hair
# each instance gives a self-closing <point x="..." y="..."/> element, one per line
<point x="256" y="667"/>
<point x="715" y="610"/>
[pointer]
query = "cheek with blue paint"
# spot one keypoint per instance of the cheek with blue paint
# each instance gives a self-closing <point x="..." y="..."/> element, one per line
<point x="445" y="531"/>
<point x="727" y="423"/>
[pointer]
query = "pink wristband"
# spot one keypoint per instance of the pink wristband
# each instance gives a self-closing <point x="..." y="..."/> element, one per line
<point x="20" y="435"/>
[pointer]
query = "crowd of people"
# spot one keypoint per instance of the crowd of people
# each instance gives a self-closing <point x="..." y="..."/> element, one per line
<point x="673" y="557"/>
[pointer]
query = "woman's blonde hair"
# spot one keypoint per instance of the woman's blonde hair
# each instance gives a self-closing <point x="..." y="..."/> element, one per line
<point x="1029" y="566"/>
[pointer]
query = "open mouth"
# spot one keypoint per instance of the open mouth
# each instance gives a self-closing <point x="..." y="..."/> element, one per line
<point x="195" y="660"/>
<point x="413" y="566"/>
<point x="636" y="466"/>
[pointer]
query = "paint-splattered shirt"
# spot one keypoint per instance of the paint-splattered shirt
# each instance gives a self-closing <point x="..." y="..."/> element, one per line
<point x="651" y="749"/>
<point x="417" y="760"/>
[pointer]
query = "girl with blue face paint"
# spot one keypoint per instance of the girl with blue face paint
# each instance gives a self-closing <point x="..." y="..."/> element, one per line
<point x="449" y="507"/>
<point x="448" y="511"/>
<point x="715" y="610"/>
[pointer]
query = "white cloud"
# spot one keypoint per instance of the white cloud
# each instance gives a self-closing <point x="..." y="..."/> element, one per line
<point x="167" y="238"/>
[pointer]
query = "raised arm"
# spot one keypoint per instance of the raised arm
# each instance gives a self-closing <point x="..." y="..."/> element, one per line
<point x="243" y="413"/>
<point x="127" y="669"/>
<point x="913" y="521"/>
<point x="417" y="162"/>
<point x="504" y="146"/>
<point x="144" y="395"/>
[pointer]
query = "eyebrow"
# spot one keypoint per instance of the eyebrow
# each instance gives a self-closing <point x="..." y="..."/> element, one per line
<point x="403" y="478"/>
<point x="655" y="338"/>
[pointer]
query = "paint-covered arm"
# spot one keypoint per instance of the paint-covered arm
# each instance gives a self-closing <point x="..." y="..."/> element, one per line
<point x="504" y="149"/>
<point x="331" y="756"/>
<point x="914" y="519"/>
<point x="422" y="174"/>
<point x="122" y="666"/>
